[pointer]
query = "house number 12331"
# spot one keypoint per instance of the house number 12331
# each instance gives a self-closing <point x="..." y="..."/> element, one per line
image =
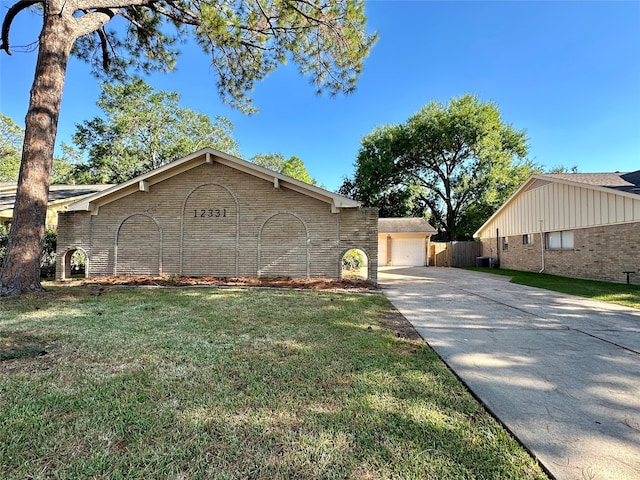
<point x="209" y="212"/>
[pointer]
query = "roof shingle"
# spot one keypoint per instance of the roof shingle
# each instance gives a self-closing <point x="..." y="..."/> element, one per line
<point x="624" y="182"/>
<point x="404" y="225"/>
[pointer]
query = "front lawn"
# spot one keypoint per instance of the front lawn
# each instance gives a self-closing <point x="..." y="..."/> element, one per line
<point x="620" y="293"/>
<point x="231" y="384"/>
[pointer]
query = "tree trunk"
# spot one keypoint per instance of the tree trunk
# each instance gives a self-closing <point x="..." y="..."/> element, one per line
<point x="21" y="269"/>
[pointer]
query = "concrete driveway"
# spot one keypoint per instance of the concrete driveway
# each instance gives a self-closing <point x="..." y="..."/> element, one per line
<point x="561" y="372"/>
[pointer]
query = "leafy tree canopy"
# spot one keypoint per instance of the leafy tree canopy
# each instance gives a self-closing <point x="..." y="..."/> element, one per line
<point x="69" y="168"/>
<point x="292" y="167"/>
<point x="141" y="130"/>
<point x="453" y="163"/>
<point x="10" y="149"/>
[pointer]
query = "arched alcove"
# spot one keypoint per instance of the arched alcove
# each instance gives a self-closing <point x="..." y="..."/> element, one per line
<point x="354" y="264"/>
<point x="138" y="246"/>
<point x="284" y="246"/>
<point x="75" y="264"/>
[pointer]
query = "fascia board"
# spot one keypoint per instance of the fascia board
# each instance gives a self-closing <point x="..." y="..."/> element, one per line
<point x="599" y="188"/>
<point x="513" y="196"/>
<point x="544" y="177"/>
<point x="93" y="202"/>
<point x="326" y="196"/>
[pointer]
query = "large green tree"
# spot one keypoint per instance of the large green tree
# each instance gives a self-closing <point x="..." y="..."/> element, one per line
<point x="141" y="130"/>
<point x="11" y="135"/>
<point x="245" y="39"/>
<point x="292" y="166"/>
<point x="454" y="163"/>
<point x="10" y="147"/>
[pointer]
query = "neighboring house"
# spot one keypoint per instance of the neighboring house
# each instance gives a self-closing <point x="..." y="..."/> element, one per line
<point x="212" y="214"/>
<point x="583" y="225"/>
<point x="59" y="197"/>
<point x="403" y="241"/>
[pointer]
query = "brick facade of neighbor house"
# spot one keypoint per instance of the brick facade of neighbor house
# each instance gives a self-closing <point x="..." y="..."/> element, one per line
<point x="574" y="225"/>
<point x="599" y="253"/>
<point x="217" y="220"/>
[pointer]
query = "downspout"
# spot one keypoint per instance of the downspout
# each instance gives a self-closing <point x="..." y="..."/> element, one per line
<point x="498" y="246"/>
<point x="541" y="247"/>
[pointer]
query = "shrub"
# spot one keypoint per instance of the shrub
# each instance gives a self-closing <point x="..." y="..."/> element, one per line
<point x="4" y="239"/>
<point x="48" y="262"/>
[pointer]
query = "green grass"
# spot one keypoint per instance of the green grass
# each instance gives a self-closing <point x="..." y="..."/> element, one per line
<point x="232" y="384"/>
<point x="622" y="294"/>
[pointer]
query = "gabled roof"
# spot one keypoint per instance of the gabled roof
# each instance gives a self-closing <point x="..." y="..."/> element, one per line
<point x="626" y="184"/>
<point x="623" y="182"/>
<point x="57" y="193"/>
<point x="209" y="155"/>
<point x="404" y="225"/>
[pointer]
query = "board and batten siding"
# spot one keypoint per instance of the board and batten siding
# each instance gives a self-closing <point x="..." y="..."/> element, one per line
<point x="552" y="206"/>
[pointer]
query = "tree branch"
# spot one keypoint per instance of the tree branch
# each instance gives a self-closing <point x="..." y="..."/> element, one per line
<point x="104" y="44"/>
<point x="267" y="19"/>
<point x="430" y="185"/>
<point x="181" y="15"/>
<point x="111" y="4"/>
<point x="93" y="21"/>
<point x="14" y="10"/>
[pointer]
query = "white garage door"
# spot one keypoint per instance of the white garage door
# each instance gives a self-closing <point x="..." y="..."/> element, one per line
<point x="408" y="252"/>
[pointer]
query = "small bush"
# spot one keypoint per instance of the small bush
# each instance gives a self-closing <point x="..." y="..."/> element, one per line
<point x="4" y="240"/>
<point x="49" y="244"/>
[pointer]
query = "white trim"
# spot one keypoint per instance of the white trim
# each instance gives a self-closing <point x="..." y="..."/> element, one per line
<point x="532" y="179"/>
<point x="206" y="155"/>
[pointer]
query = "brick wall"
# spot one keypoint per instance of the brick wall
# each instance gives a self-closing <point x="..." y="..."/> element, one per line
<point x="215" y="220"/>
<point x="73" y="233"/>
<point x="599" y="253"/>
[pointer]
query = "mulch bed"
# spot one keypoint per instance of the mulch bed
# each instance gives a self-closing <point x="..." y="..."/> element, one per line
<point x="275" y="282"/>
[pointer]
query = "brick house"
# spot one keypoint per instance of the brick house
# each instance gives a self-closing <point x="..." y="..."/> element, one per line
<point x="582" y="225"/>
<point x="214" y="214"/>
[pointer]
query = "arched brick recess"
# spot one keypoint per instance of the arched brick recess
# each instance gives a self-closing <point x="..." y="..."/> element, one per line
<point x="209" y="232"/>
<point x="138" y="246"/>
<point x="284" y="246"/>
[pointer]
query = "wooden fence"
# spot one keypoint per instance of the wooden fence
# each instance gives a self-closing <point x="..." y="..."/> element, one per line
<point x="454" y="254"/>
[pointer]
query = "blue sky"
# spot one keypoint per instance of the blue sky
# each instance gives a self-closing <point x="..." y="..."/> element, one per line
<point x="566" y="72"/>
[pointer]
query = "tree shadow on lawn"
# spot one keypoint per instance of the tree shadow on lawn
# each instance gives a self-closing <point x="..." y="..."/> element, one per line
<point x="354" y="395"/>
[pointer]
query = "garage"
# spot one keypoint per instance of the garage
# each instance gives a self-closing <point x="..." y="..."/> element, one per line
<point x="213" y="214"/>
<point x="403" y="241"/>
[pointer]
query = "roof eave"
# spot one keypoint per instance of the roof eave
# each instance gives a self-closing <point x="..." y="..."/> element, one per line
<point x="513" y="196"/>
<point x="209" y="155"/>
<point x="548" y="178"/>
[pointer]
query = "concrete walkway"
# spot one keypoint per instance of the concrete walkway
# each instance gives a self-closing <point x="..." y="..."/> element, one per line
<point x="561" y="372"/>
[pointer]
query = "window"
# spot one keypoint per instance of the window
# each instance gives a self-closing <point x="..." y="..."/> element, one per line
<point x="505" y="243"/>
<point x="527" y="239"/>
<point x="558" y="240"/>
